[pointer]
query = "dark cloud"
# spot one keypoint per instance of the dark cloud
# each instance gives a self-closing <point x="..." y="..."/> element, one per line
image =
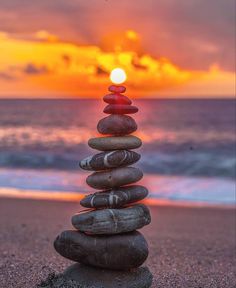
<point x="32" y="69"/>
<point x="12" y="73"/>
<point x="193" y="33"/>
<point x="66" y="59"/>
<point x="136" y="63"/>
<point x="101" y="71"/>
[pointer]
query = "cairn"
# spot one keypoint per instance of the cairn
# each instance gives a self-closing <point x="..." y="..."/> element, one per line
<point x="106" y="242"/>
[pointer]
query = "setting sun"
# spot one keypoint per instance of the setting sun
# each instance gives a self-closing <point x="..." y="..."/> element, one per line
<point x="118" y="76"/>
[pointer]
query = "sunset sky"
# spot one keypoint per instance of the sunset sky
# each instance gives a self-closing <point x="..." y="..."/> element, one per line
<point x="168" y="48"/>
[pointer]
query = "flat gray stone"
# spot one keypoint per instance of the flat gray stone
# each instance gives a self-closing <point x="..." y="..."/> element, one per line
<point x="120" y="109"/>
<point x="108" y="160"/>
<point x="115" y="143"/>
<point x="117" y="99"/>
<point x="114" y="178"/>
<point x="115" y="252"/>
<point x="117" y="125"/>
<point x="112" y="221"/>
<point x="88" y="277"/>
<point x="115" y="198"/>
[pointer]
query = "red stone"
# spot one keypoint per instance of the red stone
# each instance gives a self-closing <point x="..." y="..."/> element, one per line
<point x="117" y="89"/>
<point x="120" y="109"/>
<point x="116" y="99"/>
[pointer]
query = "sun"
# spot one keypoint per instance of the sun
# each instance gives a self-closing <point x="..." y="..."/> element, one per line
<point x="118" y="76"/>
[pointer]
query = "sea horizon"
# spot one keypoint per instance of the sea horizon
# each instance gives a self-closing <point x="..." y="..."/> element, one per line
<point x="144" y="97"/>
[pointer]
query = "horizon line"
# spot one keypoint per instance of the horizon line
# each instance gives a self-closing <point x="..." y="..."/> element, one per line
<point x="190" y="97"/>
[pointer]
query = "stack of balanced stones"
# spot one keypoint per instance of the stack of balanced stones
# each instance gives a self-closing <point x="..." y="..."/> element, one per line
<point x="106" y="239"/>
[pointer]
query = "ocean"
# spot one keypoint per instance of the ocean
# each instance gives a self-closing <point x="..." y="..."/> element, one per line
<point x="188" y="152"/>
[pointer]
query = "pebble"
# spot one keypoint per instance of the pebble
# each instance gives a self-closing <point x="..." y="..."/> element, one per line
<point x="120" y="109"/>
<point x="115" y="198"/>
<point x="107" y="160"/>
<point x="112" y="221"/>
<point x="114" y="178"/>
<point x="117" y="125"/>
<point x="117" y="89"/>
<point x="88" y="277"/>
<point x="115" y="143"/>
<point x="116" y="99"/>
<point x="116" y="252"/>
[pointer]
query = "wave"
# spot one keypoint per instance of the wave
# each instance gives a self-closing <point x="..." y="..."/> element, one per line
<point x="176" y="160"/>
<point x="180" y="137"/>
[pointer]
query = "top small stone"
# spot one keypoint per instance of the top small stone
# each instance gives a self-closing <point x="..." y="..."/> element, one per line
<point x="117" y="89"/>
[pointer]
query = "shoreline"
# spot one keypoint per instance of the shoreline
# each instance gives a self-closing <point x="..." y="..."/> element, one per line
<point x="189" y="247"/>
<point x="168" y="190"/>
<point x="15" y="193"/>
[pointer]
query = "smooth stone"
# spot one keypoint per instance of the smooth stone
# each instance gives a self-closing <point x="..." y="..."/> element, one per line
<point x="115" y="143"/>
<point x="117" y="89"/>
<point x="112" y="221"/>
<point x="115" y="198"/>
<point x="117" y="99"/>
<point x="120" y="109"/>
<point x="114" y="178"/>
<point x="116" y="252"/>
<point x="117" y="125"/>
<point x="107" y="160"/>
<point x="87" y="277"/>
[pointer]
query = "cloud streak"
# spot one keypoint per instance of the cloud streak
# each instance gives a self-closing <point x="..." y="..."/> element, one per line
<point x="194" y="34"/>
<point x="57" y="67"/>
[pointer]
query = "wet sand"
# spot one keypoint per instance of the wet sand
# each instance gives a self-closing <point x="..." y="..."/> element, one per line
<point x="189" y="246"/>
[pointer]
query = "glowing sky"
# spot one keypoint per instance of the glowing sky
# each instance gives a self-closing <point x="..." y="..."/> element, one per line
<point x="68" y="48"/>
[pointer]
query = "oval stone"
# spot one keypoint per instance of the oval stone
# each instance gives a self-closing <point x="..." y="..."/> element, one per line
<point x="107" y="160"/>
<point x="114" y="178"/>
<point x="117" y="89"/>
<point x="115" y="252"/>
<point x="117" y="99"/>
<point x="88" y="276"/>
<point x="120" y="109"/>
<point x="115" y="198"/>
<point x="117" y="125"/>
<point x="115" y="143"/>
<point x="112" y="221"/>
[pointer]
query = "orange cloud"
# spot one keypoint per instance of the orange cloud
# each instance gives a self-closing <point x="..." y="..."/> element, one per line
<point x="42" y="65"/>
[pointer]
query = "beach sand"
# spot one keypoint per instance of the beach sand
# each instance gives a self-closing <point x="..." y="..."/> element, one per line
<point x="189" y="246"/>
